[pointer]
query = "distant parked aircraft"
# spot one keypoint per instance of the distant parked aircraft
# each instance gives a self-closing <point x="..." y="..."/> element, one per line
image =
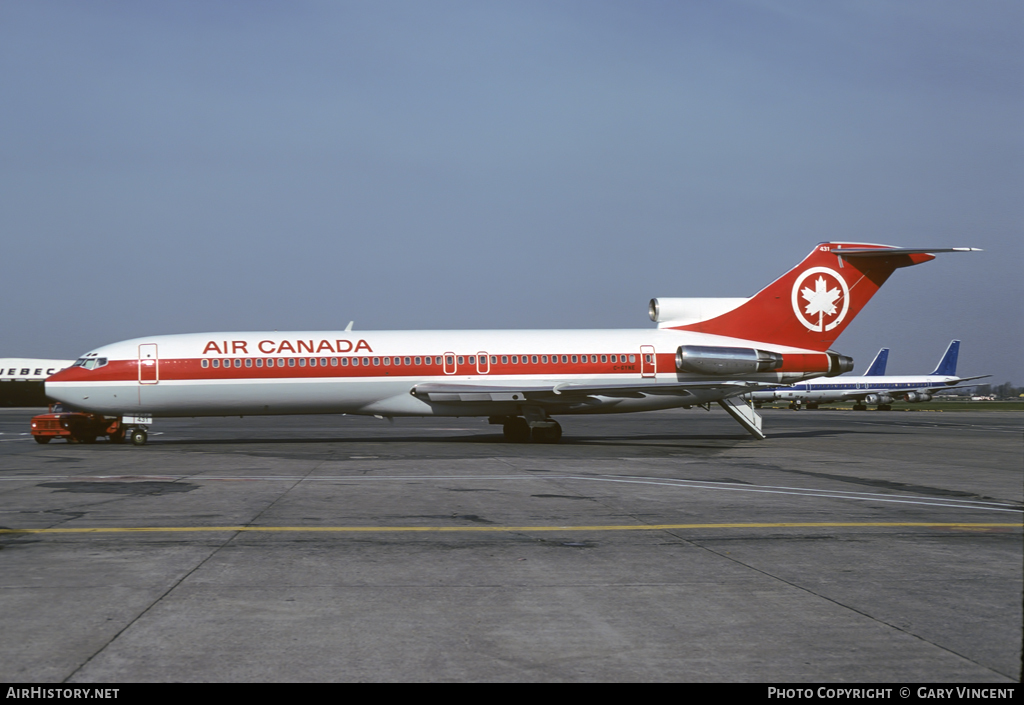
<point x="872" y="388"/>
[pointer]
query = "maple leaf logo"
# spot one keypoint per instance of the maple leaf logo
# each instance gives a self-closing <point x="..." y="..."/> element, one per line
<point x="821" y="301"/>
<point x="829" y="298"/>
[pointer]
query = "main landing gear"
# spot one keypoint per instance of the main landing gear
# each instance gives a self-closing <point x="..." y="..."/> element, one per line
<point x="519" y="430"/>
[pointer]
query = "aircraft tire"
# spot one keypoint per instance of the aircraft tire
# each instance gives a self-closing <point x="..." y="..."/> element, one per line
<point x="138" y="437"/>
<point x="516" y="430"/>
<point x="551" y="434"/>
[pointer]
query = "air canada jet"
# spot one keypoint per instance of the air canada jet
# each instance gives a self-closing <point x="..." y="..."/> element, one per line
<point x="873" y="388"/>
<point x="703" y="351"/>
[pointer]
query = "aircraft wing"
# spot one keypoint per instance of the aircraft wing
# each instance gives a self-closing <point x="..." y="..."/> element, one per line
<point x="568" y="393"/>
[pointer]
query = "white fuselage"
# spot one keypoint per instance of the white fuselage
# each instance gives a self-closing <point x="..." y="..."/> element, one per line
<point x="843" y="388"/>
<point x="373" y="372"/>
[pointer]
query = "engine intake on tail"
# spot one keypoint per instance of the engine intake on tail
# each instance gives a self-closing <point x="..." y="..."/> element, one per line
<point x="710" y="360"/>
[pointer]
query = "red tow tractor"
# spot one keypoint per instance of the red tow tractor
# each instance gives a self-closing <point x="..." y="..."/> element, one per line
<point x="75" y="426"/>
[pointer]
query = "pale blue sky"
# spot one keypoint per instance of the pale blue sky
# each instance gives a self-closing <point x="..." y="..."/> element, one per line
<point x="190" y="166"/>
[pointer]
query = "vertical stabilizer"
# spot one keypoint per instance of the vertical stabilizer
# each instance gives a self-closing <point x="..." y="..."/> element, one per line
<point x="877" y="367"/>
<point x="947" y="365"/>
<point x="811" y="305"/>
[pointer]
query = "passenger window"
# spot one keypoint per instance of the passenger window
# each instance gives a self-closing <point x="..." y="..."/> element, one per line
<point x="280" y="362"/>
<point x="461" y="358"/>
<point x="450" y="360"/>
<point x="504" y="359"/>
<point x="515" y="359"/>
<point x="615" y="358"/>
<point x="248" y="362"/>
<point x="302" y="362"/>
<point x="494" y="359"/>
<point x="291" y="362"/>
<point x="387" y="360"/>
<point x="323" y="362"/>
<point x="205" y="364"/>
<point x="418" y="361"/>
<point x="259" y="362"/>
<point x="408" y="361"/>
<point x="544" y="358"/>
<point x="238" y="362"/>
<point x="472" y="359"/>
<point x="334" y="362"/>
<point x="376" y="361"/>
<point x="632" y="358"/>
<point x="604" y="358"/>
<point x="533" y="359"/>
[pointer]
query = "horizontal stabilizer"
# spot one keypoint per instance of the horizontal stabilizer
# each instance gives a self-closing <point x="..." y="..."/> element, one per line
<point x="884" y="251"/>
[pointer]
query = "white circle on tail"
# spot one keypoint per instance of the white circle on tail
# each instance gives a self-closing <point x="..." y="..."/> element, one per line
<point x="820" y="302"/>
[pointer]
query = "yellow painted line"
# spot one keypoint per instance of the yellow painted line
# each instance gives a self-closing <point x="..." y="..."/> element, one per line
<point x="441" y="529"/>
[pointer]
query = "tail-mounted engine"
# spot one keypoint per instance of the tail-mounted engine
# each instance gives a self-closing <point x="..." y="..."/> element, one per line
<point x="711" y="360"/>
<point x="838" y="364"/>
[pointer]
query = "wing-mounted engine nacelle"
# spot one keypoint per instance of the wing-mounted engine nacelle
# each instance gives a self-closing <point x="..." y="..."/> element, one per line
<point x="878" y="399"/>
<point x="917" y="396"/>
<point x="712" y="360"/>
<point x="838" y="364"/>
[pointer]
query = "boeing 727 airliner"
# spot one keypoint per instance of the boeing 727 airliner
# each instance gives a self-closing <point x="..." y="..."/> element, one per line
<point x="876" y="388"/>
<point x="703" y="351"/>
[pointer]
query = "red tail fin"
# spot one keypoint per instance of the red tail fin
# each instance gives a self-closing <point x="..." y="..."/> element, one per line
<point x="811" y="305"/>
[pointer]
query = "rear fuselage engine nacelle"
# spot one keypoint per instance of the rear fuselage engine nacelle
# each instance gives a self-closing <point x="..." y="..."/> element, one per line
<point x="713" y="360"/>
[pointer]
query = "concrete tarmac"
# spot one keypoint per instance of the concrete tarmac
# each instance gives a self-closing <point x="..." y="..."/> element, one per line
<point x="666" y="546"/>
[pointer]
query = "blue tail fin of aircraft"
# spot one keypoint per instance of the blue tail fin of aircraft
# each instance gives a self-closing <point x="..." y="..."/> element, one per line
<point x="947" y="365"/>
<point x="877" y="367"/>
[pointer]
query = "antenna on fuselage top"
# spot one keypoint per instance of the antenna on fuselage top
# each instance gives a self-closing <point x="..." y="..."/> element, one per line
<point x="348" y="328"/>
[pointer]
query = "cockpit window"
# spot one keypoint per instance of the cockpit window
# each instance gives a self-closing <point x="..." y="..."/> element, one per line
<point x="92" y="363"/>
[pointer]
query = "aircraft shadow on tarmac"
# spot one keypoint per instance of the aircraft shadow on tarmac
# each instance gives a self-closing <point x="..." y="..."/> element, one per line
<point x="642" y="440"/>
